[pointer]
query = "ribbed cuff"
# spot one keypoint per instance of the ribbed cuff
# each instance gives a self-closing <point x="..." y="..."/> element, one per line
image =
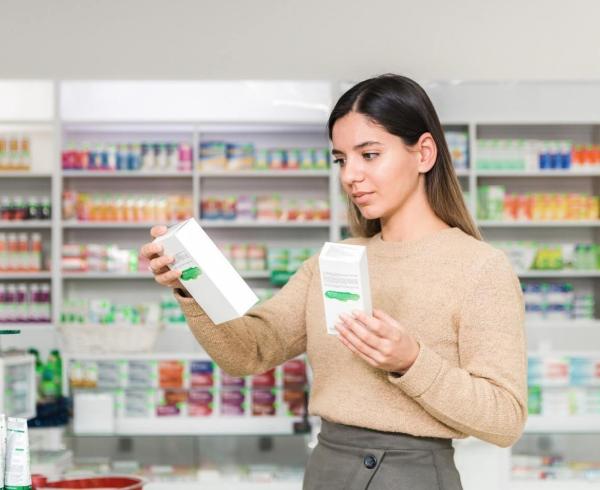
<point x="188" y="305"/>
<point x="421" y="375"/>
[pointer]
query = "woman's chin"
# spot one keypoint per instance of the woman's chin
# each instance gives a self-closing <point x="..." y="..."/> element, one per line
<point x="369" y="213"/>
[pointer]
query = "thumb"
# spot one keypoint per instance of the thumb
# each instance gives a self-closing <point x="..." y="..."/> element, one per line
<point x="158" y="230"/>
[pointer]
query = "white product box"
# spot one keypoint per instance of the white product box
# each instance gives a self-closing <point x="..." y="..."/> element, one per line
<point x="344" y="281"/>
<point x="206" y="273"/>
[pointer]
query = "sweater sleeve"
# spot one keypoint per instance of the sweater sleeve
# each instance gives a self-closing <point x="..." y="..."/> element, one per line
<point x="267" y="335"/>
<point x="486" y="396"/>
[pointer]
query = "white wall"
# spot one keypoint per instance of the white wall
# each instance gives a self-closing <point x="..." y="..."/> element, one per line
<point x="300" y="39"/>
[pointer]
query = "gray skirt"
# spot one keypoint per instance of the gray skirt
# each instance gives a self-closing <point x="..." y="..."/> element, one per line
<point x="353" y="458"/>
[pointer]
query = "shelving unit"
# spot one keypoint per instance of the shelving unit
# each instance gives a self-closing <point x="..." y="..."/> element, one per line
<point x="196" y="113"/>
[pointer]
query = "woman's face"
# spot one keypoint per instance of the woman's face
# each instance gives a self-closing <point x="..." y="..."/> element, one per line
<point x="377" y="170"/>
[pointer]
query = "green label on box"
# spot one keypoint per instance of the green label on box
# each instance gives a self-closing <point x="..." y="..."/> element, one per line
<point x="191" y="273"/>
<point x="342" y="296"/>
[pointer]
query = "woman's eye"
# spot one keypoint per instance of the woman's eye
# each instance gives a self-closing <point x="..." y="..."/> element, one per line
<point x="338" y="161"/>
<point x="370" y="156"/>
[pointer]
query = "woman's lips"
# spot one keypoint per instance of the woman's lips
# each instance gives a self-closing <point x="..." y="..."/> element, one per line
<point x="361" y="197"/>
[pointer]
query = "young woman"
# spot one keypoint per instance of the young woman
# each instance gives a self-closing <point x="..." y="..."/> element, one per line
<point x="443" y="355"/>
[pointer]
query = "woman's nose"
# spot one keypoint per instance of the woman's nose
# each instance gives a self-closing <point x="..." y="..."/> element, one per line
<point x="351" y="172"/>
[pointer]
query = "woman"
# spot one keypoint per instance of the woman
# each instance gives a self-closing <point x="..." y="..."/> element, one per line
<point x="443" y="356"/>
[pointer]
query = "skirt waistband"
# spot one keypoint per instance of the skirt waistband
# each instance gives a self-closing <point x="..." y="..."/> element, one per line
<point x="360" y="437"/>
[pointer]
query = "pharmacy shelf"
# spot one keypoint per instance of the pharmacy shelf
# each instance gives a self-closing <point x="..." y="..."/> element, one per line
<point x="17" y="276"/>
<point x="108" y="224"/>
<point x="137" y="174"/>
<point x="567" y="324"/>
<point x="265" y="173"/>
<point x="216" y="425"/>
<point x="225" y="483"/>
<point x="263" y="224"/>
<point x="559" y="274"/>
<point x="144" y="275"/>
<point x="539" y="224"/>
<point x="27" y="224"/>
<point x="25" y="175"/>
<point x="539" y="174"/>
<point x="106" y="275"/>
<point x="26" y="325"/>
<point x="575" y="424"/>
<point x="463" y="172"/>
<point x="553" y="484"/>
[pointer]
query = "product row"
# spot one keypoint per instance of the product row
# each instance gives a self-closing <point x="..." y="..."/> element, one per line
<point x="21" y="252"/>
<point x="563" y="402"/>
<point x="15" y="152"/>
<point x="458" y="145"/>
<point x="531" y="255"/>
<point x="126" y="208"/>
<point x="563" y="371"/>
<point x="18" y="208"/>
<point x="146" y="156"/>
<point x="151" y="403"/>
<point x="532" y="467"/>
<point x="134" y="374"/>
<point x="494" y="203"/>
<point x="271" y="207"/>
<point x="532" y="155"/>
<point x="101" y="258"/>
<point x="101" y="311"/>
<point x="25" y="303"/>
<point x="556" y="302"/>
<point x="222" y="156"/>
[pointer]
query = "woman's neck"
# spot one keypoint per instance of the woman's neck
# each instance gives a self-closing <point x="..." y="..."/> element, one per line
<point x="412" y="221"/>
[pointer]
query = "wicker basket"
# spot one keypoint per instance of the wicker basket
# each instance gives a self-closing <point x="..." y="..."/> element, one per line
<point x="105" y="339"/>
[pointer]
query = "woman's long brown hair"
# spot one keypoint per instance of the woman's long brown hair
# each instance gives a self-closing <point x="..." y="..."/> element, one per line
<point x="403" y="108"/>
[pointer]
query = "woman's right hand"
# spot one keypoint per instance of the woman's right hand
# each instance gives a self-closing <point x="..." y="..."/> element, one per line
<point x="158" y="262"/>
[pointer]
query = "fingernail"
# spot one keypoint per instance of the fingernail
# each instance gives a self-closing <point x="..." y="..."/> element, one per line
<point x="355" y="313"/>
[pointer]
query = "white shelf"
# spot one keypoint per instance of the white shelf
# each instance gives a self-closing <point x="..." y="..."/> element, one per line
<point x="559" y="274"/>
<point x="539" y="224"/>
<point x="208" y="223"/>
<point x="463" y="172"/>
<point x="27" y="224"/>
<point x="215" y="425"/>
<point x="575" y="424"/>
<point x="144" y="275"/>
<point x="224" y="484"/>
<point x="107" y="275"/>
<point x="17" y="276"/>
<point x="567" y="324"/>
<point x="24" y="175"/>
<point x="137" y="174"/>
<point x="536" y="173"/>
<point x="24" y="325"/>
<point x="265" y="173"/>
<point x="554" y="485"/>
<point x="108" y="224"/>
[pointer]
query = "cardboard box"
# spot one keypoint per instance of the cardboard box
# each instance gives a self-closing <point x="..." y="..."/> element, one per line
<point x="344" y="281"/>
<point x="205" y="272"/>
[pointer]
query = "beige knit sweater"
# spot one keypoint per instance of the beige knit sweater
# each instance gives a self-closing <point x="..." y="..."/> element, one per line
<point x="458" y="296"/>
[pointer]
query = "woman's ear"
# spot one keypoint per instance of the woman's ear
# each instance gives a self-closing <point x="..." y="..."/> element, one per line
<point x="427" y="153"/>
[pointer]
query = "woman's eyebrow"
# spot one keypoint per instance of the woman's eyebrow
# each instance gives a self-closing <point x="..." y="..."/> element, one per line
<point x="357" y="147"/>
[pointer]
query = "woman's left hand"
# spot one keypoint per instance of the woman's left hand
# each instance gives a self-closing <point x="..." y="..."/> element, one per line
<point x="379" y="339"/>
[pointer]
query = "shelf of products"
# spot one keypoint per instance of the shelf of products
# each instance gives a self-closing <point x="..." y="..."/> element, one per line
<point x="128" y="157"/>
<point x="223" y="156"/>
<point x="15" y="152"/>
<point x="162" y="394"/>
<point x="530" y="155"/>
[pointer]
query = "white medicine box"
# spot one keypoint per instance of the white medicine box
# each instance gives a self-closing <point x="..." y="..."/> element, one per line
<point x="344" y="281"/>
<point x="206" y="273"/>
